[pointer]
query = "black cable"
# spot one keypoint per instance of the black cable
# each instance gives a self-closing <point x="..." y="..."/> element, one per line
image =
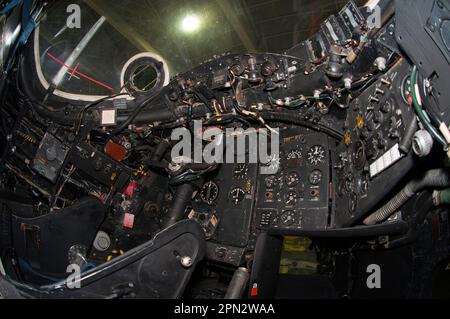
<point x="292" y="119"/>
<point x="90" y="105"/>
<point x="130" y="119"/>
<point x="203" y="99"/>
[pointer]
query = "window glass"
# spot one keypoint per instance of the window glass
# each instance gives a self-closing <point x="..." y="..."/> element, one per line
<point x="89" y="60"/>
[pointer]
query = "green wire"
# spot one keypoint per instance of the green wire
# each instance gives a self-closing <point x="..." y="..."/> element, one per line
<point x="419" y="111"/>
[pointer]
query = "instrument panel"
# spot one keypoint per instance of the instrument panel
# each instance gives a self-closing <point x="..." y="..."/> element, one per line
<point x="369" y="162"/>
<point x="320" y="183"/>
<point x="243" y="202"/>
<point x="297" y="196"/>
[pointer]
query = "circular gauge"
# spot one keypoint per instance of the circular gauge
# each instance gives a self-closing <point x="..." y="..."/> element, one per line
<point x="272" y="166"/>
<point x="292" y="179"/>
<point x="291" y="198"/>
<point x="271" y="181"/>
<point x="315" y="177"/>
<point x="237" y="195"/>
<point x="316" y="155"/>
<point x="240" y="170"/>
<point x="288" y="218"/>
<point x="294" y="155"/>
<point x="209" y="192"/>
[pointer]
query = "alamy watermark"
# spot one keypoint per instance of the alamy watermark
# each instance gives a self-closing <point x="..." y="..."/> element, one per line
<point x="74" y="19"/>
<point x="374" y="279"/>
<point x="374" y="19"/>
<point x="232" y="145"/>
<point x="73" y="281"/>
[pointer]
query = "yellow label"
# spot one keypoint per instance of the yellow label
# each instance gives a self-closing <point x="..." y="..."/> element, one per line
<point x="284" y="269"/>
<point x="348" y="138"/>
<point x="359" y="121"/>
<point x="248" y="186"/>
<point x="295" y="244"/>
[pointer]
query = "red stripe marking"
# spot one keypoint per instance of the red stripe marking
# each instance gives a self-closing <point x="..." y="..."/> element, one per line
<point x="74" y="71"/>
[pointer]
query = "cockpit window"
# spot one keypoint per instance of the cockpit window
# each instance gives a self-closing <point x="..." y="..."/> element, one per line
<point x="86" y="60"/>
<point x="86" y="54"/>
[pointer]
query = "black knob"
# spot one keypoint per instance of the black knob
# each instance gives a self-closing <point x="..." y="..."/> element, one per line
<point x="386" y="107"/>
<point x="364" y="134"/>
<point x="370" y="126"/>
<point x="221" y="253"/>
<point x="71" y="138"/>
<point x="51" y="153"/>
<point x="382" y="142"/>
<point x="378" y="117"/>
<point x="98" y="164"/>
<point x="394" y="133"/>
<point x="371" y="153"/>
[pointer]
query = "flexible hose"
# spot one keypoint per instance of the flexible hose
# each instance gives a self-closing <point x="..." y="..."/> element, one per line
<point x="238" y="284"/>
<point x="406" y="142"/>
<point x="149" y="117"/>
<point x="437" y="178"/>
<point x="181" y="199"/>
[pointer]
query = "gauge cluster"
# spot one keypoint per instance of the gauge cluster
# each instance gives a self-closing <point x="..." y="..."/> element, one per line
<point x="371" y="155"/>
<point x="227" y="201"/>
<point x="296" y="198"/>
<point x="246" y="202"/>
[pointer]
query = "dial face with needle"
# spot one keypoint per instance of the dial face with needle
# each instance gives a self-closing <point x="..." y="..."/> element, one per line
<point x="316" y="155"/>
<point x="292" y="179"/>
<point x="271" y="181"/>
<point x="315" y="177"/>
<point x="209" y="193"/>
<point x="295" y="154"/>
<point x="240" y="170"/>
<point x="290" y="198"/>
<point x="237" y="195"/>
<point x="288" y="218"/>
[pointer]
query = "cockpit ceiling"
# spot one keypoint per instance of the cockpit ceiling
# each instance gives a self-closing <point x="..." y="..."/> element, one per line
<point x="221" y="26"/>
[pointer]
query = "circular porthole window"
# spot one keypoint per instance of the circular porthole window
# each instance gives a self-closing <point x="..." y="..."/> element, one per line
<point x="145" y="73"/>
<point x="144" y="78"/>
